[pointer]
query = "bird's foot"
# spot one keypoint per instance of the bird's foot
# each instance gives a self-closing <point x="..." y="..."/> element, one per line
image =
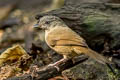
<point x="54" y="65"/>
<point x="58" y="63"/>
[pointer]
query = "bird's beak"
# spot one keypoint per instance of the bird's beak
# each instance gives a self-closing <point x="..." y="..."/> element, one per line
<point x="36" y="26"/>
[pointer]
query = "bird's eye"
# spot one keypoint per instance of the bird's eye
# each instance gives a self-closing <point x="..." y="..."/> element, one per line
<point x="47" y="22"/>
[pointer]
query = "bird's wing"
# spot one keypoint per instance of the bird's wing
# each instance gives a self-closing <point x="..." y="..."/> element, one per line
<point x="64" y="36"/>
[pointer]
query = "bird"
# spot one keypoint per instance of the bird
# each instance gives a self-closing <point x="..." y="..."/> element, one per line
<point x="65" y="41"/>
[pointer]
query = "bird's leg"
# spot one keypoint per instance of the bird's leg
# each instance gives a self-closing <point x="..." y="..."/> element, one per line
<point x="59" y="62"/>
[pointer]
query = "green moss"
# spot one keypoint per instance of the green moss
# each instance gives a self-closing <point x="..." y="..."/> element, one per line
<point x="92" y="21"/>
<point x="113" y="76"/>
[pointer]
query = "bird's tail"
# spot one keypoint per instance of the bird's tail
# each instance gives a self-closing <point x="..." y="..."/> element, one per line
<point x="93" y="55"/>
<point x="100" y="59"/>
<point x="96" y="56"/>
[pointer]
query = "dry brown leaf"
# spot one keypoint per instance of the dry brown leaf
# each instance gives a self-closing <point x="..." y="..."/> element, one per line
<point x="12" y="54"/>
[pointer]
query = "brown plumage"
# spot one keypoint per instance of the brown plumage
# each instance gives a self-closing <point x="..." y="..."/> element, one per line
<point x="68" y="43"/>
<point x="65" y="41"/>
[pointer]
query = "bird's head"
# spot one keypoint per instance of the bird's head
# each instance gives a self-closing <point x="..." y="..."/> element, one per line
<point x="46" y="22"/>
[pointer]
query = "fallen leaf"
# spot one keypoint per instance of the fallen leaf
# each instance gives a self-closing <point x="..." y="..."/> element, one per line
<point x="12" y="54"/>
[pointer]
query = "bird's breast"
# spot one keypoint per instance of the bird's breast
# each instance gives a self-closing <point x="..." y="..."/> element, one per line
<point x="50" y="35"/>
